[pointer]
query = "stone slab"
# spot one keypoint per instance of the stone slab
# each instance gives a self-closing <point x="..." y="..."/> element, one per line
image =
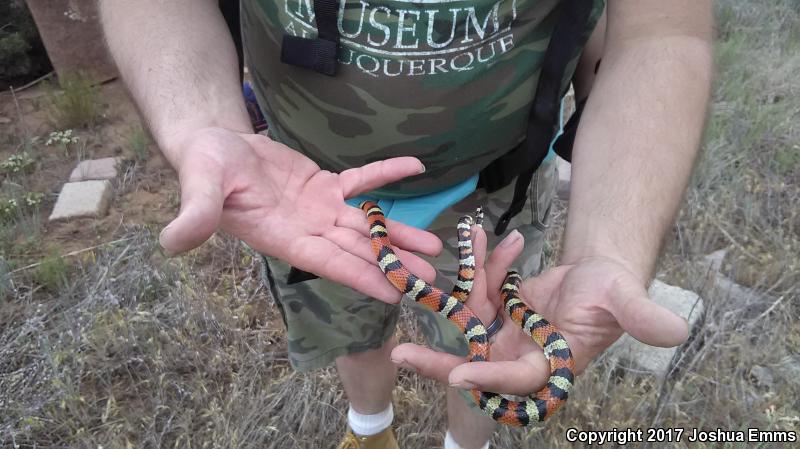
<point x="73" y="38"/>
<point x="82" y="199"/>
<point x="95" y="169"/>
<point x="564" y="178"/>
<point x="684" y="303"/>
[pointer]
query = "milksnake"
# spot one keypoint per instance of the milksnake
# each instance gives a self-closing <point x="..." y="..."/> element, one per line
<point x="537" y="406"/>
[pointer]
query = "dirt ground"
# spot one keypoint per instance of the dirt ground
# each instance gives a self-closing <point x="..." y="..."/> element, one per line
<point x="146" y="192"/>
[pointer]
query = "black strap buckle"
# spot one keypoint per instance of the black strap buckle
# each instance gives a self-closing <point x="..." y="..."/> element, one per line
<point x="315" y="54"/>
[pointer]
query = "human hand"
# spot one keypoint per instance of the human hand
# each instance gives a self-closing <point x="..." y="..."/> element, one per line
<point x="591" y="302"/>
<point x="281" y="204"/>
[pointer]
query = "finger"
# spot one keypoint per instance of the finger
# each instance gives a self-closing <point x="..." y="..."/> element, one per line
<point x="502" y="258"/>
<point x="479" y="302"/>
<point x="355" y="243"/>
<point x="377" y="174"/>
<point x="519" y="377"/>
<point x="324" y="258"/>
<point x="643" y="319"/>
<point x="201" y="209"/>
<point x="425" y="361"/>
<point x="402" y="235"/>
<point x="479" y="245"/>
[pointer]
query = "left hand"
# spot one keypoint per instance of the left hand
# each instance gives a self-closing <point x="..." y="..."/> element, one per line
<point x="591" y="302"/>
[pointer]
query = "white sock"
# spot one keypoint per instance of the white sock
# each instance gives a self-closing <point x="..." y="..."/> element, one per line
<point x="366" y="425"/>
<point x="450" y="443"/>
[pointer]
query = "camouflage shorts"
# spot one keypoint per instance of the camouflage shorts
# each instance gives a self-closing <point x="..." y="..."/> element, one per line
<point x="325" y="320"/>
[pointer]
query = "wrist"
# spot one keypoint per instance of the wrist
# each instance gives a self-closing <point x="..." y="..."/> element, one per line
<point x="179" y="139"/>
<point x="640" y="267"/>
<point x="602" y="236"/>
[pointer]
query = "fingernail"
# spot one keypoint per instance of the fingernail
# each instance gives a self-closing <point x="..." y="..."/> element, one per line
<point x="405" y="365"/>
<point x="510" y="239"/>
<point x="422" y="168"/>
<point x="464" y="385"/>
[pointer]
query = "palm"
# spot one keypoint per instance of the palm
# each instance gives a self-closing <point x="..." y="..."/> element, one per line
<point x="591" y="303"/>
<point x="281" y="204"/>
<point x="578" y="298"/>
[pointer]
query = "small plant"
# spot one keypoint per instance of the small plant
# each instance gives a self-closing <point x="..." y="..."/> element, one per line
<point x="9" y="209"/>
<point x="21" y="163"/>
<point x="139" y="143"/>
<point x="12" y="208"/>
<point x="64" y="139"/>
<point x="33" y="199"/>
<point x="76" y="105"/>
<point x="52" y="272"/>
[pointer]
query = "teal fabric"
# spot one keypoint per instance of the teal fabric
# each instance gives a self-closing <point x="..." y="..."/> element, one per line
<point x="420" y="211"/>
<point x="552" y="153"/>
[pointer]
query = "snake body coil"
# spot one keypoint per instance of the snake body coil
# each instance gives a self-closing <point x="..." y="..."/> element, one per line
<point x="536" y="407"/>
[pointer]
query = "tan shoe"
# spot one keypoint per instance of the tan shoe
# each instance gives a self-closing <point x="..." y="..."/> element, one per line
<point x="383" y="440"/>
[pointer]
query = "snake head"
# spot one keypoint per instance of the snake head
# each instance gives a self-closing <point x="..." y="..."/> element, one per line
<point x="367" y="205"/>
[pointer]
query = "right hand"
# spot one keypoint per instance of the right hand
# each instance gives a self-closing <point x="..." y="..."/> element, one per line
<point x="283" y="205"/>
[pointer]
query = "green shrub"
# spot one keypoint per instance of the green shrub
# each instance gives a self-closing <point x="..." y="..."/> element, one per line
<point x="76" y="104"/>
<point x="139" y="143"/>
<point x="52" y="272"/>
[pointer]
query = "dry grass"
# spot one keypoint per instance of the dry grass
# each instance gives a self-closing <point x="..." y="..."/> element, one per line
<point x="137" y="351"/>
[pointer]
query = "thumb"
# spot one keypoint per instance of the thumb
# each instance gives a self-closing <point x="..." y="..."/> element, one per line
<point x="643" y="319"/>
<point x="201" y="209"/>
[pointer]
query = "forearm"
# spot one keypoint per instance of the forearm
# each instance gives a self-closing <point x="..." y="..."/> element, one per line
<point x="179" y="63"/>
<point x="635" y="148"/>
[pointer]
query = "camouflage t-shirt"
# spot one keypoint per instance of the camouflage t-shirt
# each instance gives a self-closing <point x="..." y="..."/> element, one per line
<point x="448" y="81"/>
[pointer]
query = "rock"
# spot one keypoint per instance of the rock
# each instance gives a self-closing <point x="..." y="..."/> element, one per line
<point x="564" y="176"/>
<point x="105" y="168"/>
<point x="4" y="120"/>
<point x="714" y="260"/>
<point x="763" y="376"/>
<point x="569" y="104"/>
<point x="640" y="356"/>
<point x="82" y="199"/>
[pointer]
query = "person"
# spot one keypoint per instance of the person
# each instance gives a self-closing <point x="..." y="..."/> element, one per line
<point x="425" y="95"/>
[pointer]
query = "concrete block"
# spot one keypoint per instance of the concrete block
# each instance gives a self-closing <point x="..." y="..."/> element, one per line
<point x="564" y="177"/>
<point x="82" y="199"/>
<point x="105" y="168"/>
<point x="684" y="303"/>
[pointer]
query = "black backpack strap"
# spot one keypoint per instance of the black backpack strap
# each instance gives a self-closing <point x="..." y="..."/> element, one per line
<point x="230" y="11"/>
<point x="316" y="54"/>
<point x="566" y="140"/>
<point x="522" y="161"/>
<point x="563" y="145"/>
